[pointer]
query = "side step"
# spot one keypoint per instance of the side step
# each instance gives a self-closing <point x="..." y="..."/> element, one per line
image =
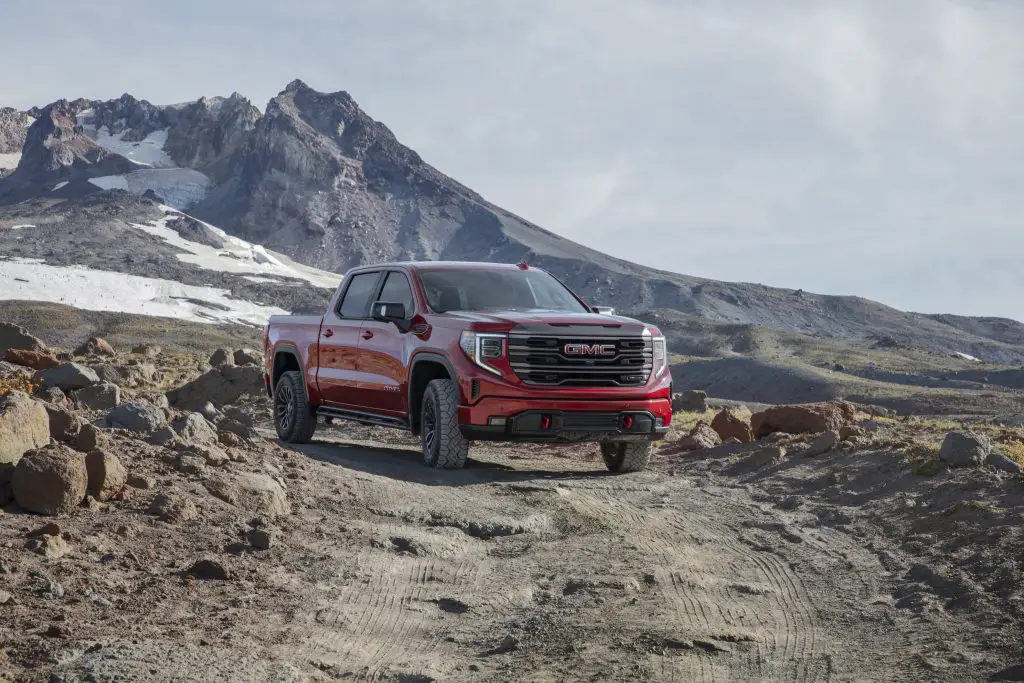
<point x="363" y="418"/>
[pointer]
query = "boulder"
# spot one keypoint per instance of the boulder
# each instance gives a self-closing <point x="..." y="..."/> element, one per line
<point x="261" y="539"/>
<point x="851" y="431"/>
<point x="102" y="396"/>
<point x="14" y="337"/>
<point x="195" y="429"/>
<point x="68" y="377"/>
<point x="221" y="357"/>
<point x="107" y="475"/>
<point x="50" y="481"/>
<point x="230" y="439"/>
<point x="730" y="425"/>
<point x="143" y="418"/>
<point x="95" y="346"/>
<point x="825" y="442"/>
<point x="221" y="386"/>
<point x="965" y="449"/>
<point x="210" y="412"/>
<point x="88" y="439"/>
<point x="138" y="481"/>
<point x="700" y="437"/>
<point x="53" y="396"/>
<point x="209" y="569"/>
<point x="24" y="426"/>
<point x="50" y="547"/>
<point x="65" y="426"/>
<point x="130" y="376"/>
<point x="37" y="360"/>
<point x="690" y="401"/>
<point x="254" y="493"/>
<point x="808" y="418"/>
<point x="248" y="357"/>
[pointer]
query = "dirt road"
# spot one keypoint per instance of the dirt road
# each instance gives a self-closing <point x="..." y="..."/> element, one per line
<point x="531" y="564"/>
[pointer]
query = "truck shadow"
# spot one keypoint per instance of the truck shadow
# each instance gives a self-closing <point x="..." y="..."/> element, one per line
<point x="407" y="465"/>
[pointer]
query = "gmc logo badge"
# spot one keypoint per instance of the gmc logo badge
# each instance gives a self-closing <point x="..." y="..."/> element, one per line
<point x="589" y="349"/>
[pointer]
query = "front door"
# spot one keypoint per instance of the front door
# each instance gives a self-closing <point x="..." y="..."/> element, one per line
<point x="337" y="376"/>
<point x="382" y="363"/>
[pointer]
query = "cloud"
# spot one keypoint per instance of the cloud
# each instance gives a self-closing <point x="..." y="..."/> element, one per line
<point x="856" y="146"/>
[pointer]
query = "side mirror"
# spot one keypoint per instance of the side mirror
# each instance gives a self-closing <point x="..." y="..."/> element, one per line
<point x="603" y="310"/>
<point x="389" y="312"/>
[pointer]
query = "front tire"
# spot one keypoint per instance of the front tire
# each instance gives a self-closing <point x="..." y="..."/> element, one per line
<point x="626" y="456"/>
<point x="444" y="446"/>
<point x="294" y="421"/>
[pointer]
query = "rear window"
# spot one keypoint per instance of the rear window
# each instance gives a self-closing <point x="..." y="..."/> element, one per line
<point x="356" y="300"/>
<point x="499" y="289"/>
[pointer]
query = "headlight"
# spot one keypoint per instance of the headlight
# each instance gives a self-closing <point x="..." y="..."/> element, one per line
<point x="660" y="356"/>
<point x="480" y="348"/>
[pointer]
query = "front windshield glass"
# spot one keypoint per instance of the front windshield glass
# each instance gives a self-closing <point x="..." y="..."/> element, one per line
<point x="473" y="289"/>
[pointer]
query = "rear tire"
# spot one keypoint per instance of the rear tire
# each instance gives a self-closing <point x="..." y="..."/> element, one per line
<point x="626" y="456"/>
<point x="444" y="446"/>
<point x="293" y="419"/>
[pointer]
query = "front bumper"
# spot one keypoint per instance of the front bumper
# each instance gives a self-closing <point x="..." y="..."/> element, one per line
<point x="498" y="419"/>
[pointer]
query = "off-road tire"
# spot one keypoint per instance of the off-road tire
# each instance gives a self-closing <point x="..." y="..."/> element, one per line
<point x="626" y="456"/>
<point x="294" y="420"/>
<point x="444" y="446"/>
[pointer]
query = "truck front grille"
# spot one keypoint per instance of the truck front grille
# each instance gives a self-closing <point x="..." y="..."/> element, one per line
<point x="581" y="361"/>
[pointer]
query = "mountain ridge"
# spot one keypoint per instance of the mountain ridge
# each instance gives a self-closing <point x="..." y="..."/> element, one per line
<point x="316" y="178"/>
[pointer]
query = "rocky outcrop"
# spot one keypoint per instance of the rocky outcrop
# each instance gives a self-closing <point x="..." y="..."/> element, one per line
<point x="24" y="426"/>
<point x="13" y="130"/>
<point x="50" y="481"/>
<point x="809" y="418"/>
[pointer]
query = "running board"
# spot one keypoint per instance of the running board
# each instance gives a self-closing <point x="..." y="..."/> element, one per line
<point x="363" y="418"/>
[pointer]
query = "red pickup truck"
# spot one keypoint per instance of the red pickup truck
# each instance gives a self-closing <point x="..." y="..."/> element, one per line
<point x="462" y="352"/>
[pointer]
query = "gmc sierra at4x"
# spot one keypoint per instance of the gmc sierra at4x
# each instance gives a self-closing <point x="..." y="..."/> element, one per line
<point x="462" y="352"/>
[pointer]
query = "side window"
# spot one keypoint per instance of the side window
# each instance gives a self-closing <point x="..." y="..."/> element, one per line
<point x="356" y="300"/>
<point x="396" y="289"/>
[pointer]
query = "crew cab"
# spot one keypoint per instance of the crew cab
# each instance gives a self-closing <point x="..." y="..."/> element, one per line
<point x="463" y="352"/>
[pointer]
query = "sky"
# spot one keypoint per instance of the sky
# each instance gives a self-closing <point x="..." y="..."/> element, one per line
<point x="844" y="147"/>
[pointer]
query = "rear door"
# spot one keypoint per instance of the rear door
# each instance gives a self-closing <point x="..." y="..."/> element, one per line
<point x="337" y="376"/>
<point x="384" y="352"/>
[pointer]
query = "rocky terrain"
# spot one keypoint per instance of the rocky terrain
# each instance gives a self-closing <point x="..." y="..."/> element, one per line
<point x="153" y="530"/>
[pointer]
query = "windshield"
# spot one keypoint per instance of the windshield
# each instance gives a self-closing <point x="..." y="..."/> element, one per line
<point x="498" y="289"/>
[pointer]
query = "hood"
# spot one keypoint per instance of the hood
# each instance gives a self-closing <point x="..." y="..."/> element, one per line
<point x="554" y="322"/>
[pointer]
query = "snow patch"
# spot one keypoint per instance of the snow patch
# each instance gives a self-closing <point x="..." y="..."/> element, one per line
<point x="966" y="356"/>
<point x="179" y="187"/>
<point x="100" y="290"/>
<point x="147" y="152"/>
<point x="11" y="160"/>
<point x="237" y="256"/>
<point x="23" y="225"/>
<point x="58" y="186"/>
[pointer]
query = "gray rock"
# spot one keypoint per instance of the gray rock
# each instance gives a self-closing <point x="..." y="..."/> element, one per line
<point x="221" y="357"/>
<point x="65" y="426"/>
<point x="143" y="418"/>
<point x="261" y="539"/>
<point x="255" y="493"/>
<point x="102" y="396"/>
<point x="107" y="475"/>
<point x="692" y="401"/>
<point x="1001" y="462"/>
<point x="88" y="439"/>
<point x="164" y="435"/>
<point x="50" y="481"/>
<point x="221" y="386"/>
<point x="825" y="442"/>
<point x="173" y="508"/>
<point x="195" y="429"/>
<point x="210" y="412"/>
<point x="15" y="337"/>
<point x="965" y="449"/>
<point x="68" y="377"/>
<point x="24" y="426"/>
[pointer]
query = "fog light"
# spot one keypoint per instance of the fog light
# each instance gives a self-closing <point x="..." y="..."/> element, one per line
<point x="496" y="421"/>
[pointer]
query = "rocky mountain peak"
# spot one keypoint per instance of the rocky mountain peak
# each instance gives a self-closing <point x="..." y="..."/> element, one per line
<point x="13" y="130"/>
<point x="55" y="142"/>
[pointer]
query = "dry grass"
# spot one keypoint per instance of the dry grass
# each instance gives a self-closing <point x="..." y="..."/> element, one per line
<point x="19" y="382"/>
<point x="1014" y="450"/>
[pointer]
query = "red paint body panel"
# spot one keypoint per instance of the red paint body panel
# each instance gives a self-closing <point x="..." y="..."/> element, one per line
<point x="366" y="365"/>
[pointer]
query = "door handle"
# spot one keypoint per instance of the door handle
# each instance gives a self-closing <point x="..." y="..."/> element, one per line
<point x="328" y="332"/>
<point x="367" y="334"/>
